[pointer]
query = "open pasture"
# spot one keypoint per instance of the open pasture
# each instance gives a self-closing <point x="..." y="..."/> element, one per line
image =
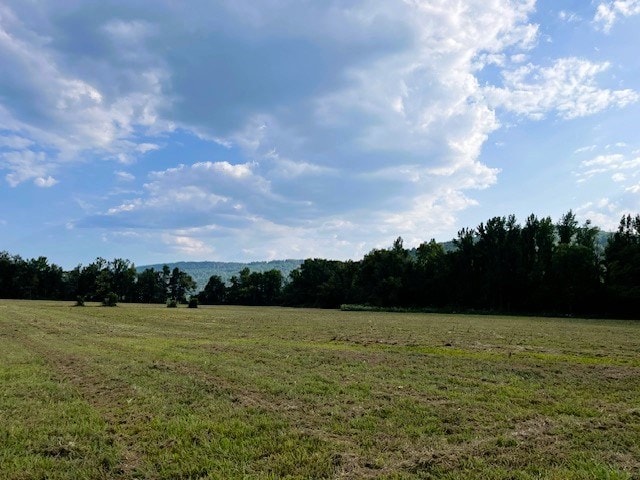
<point x="236" y="392"/>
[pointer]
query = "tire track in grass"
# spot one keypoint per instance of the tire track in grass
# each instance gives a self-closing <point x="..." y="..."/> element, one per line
<point x="132" y="422"/>
<point x="102" y="395"/>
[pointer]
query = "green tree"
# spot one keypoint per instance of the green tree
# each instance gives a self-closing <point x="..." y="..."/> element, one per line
<point x="622" y="264"/>
<point x="538" y="239"/>
<point x="576" y="273"/>
<point x="464" y="276"/>
<point x="123" y="279"/>
<point x="320" y="283"/>
<point x="382" y="275"/>
<point x="214" y="293"/>
<point x="255" y="288"/>
<point x="151" y="287"/>
<point x="180" y="285"/>
<point x="567" y="227"/>
<point x="428" y="284"/>
<point x="575" y="278"/>
<point x="10" y="270"/>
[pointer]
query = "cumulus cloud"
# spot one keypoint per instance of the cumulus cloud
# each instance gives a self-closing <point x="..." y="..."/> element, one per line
<point x="608" y="13"/>
<point x="368" y="115"/>
<point x="606" y="212"/>
<point x="67" y="112"/>
<point x="568" y="87"/>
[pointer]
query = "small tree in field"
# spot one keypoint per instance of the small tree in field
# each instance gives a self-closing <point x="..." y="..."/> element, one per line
<point x="172" y="303"/>
<point x="111" y="300"/>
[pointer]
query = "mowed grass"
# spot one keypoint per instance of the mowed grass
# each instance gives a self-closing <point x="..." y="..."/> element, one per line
<point x="236" y="392"/>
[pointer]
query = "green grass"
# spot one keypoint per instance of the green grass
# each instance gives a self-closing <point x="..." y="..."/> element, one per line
<point x="237" y="392"/>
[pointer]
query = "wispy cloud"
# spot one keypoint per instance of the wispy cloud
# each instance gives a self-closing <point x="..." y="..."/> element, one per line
<point x="608" y="13"/>
<point x="568" y="87"/>
<point x="124" y="176"/>
<point x="27" y="165"/>
<point x="618" y="165"/>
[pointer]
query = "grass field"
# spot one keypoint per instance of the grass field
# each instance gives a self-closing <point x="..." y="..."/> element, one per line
<point x="236" y="392"/>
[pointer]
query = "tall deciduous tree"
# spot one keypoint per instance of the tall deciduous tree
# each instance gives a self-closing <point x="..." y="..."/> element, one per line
<point x="180" y="285"/>
<point x="151" y="287"/>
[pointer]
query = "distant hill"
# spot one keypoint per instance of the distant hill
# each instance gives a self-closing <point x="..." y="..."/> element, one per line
<point x="202" y="271"/>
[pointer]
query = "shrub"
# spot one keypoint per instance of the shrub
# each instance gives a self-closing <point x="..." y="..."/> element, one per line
<point x="80" y="301"/>
<point x="172" y="303"/>
<point x="111" y="300"/>
<point x="193" y="302"/>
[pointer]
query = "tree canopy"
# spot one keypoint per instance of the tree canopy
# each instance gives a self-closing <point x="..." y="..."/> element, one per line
<point x="540" y="267"/>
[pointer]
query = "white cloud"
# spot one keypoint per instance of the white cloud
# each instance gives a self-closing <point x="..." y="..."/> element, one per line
<point x="222" y="178"/>
<point x="434" y="213"/>
<point x="604" y="213"/>
<point x="45" y="182"/>
<point x="63" y="109"/>
<point x="589" y="148"/>
<point x="519" y="58"/>
<point x="14" y="142"/>
<point x="124" y="176"/>
<point x="26" y="165"/>
<point x="605" y="161"/>
<point x="569" y="17"/>
<point x="615" y="164"/>
<point x="186" y="245"/>
<point x="568" y="87"/>
<point x="607" y="212"/>
<point x="147" y="147"/>
<point x="367" y="114"/>
<point x="125" y="207"/>
<point x="608" y="13"/>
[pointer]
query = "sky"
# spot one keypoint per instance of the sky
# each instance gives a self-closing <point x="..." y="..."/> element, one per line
<point x="236" y="130"/>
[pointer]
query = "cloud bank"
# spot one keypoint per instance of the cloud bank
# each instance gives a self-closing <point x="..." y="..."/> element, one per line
<point x="347" y="123"/>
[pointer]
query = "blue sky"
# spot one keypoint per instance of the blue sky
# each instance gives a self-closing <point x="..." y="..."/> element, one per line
<point x="237" y="130"/>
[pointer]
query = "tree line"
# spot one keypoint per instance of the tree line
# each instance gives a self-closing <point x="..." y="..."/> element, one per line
<point x="101" y="279"/>
<point x="540" y="267"/>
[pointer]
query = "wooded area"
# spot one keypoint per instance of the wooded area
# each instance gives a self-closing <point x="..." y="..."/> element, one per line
<point x="540" y="267"/>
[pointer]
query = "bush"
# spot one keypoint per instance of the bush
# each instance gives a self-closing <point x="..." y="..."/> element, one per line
<point x="111" y="300"/>
<point x="172" y="303"/>
<point x="193" y="302"/>
<point x="80" y="301"/>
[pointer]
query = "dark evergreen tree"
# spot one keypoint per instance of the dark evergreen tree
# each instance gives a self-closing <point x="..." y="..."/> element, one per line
<point x="428" y="285"/>
<point x="622" y="268"/>
<point x="214" y="293"/>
